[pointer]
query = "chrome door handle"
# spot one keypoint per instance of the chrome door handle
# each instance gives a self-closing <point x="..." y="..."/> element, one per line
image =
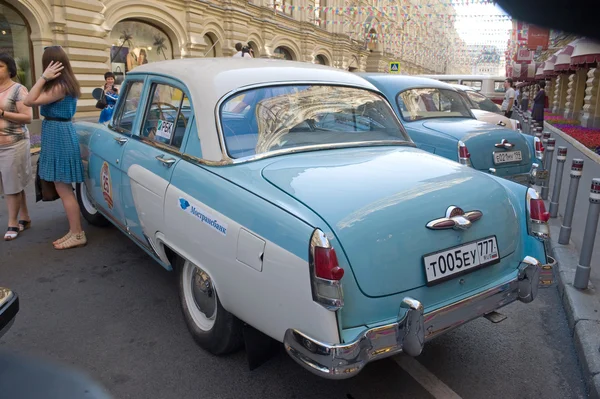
<point x="121" y="140"/>
<point x="166" y="161"/>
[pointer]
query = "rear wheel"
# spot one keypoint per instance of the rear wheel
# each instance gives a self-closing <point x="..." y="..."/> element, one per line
<point x="88" y="210"/>
<point x="213" y="328"/>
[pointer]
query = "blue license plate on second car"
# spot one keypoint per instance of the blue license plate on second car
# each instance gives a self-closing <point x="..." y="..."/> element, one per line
<point x="448" y="263"/>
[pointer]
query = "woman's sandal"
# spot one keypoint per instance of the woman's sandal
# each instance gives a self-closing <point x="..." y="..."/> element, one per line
<point x="74" y="241"/>
<point x="24" y="225"/>
<point x="11" y="233"/>
<point x="63" y="239"/>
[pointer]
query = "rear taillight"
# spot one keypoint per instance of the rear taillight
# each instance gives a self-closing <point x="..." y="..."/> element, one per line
<point x="519" y="126"/>
<point x="325" y="272"/>
<point x="539" y="148"/>
<point x="537" y="217"/>
<point x="464" y="157"/>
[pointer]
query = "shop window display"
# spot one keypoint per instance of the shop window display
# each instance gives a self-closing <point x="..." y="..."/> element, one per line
<point x="135" y="43"/>
<point x="14" y="40"/>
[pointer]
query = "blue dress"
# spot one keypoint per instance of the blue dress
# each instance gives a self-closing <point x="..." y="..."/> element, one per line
<point x="60" y="158"/>
<point x="107" y="112"/>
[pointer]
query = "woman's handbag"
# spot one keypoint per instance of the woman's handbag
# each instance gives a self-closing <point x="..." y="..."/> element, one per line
<point x="101" y="103"/>
<point x="44" y="190"/>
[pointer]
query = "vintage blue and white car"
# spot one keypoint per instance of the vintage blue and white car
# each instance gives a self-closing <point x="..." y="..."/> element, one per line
<point x="440" y="121"/>
<point x="289" y="198"/>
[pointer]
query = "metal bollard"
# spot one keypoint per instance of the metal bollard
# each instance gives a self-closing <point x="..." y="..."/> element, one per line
<point x="550" y="143"/>
<point x="565" y="229"/>
<point x="582" y="275"/>
<point x="561" y="157"/>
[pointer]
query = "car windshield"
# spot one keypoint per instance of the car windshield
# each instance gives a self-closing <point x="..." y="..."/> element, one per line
<point x="266" y="119"/>
<point x="425" y="103"/>
<point x="483" y="103"/>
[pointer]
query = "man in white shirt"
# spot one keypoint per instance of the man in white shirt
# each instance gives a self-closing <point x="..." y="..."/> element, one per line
<point x="509" y="98"/>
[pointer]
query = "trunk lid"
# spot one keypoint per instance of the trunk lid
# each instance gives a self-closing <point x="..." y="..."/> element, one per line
<point x="378" y="202"/>
<point x="481" y="138"/>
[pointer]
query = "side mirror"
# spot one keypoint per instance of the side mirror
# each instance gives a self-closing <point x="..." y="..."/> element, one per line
<point x="9" y="307"/>
<point x="97" y="93"/>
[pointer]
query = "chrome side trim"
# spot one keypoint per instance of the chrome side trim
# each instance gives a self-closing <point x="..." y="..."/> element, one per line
<point x="411" y="331"/>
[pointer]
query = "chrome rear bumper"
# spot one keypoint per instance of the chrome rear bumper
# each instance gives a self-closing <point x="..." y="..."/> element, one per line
<point x="411" y="331"/>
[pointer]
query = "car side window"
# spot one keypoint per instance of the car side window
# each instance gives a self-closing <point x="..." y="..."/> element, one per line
<point x="483" y="102"/>
<point x="167" y="116"/>
<point x="128" y="108"/>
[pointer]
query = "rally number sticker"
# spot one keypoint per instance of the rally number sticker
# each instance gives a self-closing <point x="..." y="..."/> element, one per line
<point x="164" y="129"/>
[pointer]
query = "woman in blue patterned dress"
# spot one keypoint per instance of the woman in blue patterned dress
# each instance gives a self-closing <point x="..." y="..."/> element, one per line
<point x="57" y="91"/>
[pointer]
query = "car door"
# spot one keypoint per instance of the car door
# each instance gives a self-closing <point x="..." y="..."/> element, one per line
<point x="108" y="144"/>
<point x="151" y="156"/>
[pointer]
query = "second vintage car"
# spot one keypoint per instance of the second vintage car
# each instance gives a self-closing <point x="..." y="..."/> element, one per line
<point x="440" y="121"/>
<point x="288" y="197"/>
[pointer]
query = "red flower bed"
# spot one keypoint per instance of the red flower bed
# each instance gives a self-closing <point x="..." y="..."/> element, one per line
<point x="586" y="136"/>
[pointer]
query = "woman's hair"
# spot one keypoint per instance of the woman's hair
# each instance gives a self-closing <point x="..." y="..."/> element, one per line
<point x="10" y="64"/>
<point x="109" y="75"/>
<point x="66" y="79"/>
<point x="542" y="84"/>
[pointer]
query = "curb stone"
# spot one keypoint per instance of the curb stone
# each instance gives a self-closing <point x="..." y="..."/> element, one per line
<point x="582" y="308"/>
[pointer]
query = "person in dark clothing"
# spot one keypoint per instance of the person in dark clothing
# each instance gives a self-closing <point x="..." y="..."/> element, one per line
<point x="537" y="112"/>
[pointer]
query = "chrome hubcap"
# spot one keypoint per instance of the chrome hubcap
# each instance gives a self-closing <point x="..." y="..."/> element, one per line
<point x="203" y="293"/>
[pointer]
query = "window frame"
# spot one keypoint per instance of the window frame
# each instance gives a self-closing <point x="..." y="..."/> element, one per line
<point x="404" y="120"/>
<point x="236" y="92"/>
<point x="149" y="80"/>
<point x="117" y="115"/>
<point x="152" y="84"/>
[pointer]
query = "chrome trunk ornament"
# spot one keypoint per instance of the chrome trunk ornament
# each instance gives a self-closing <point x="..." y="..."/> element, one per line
<point x="504" y="144"/>
<point x="456" y="219"/>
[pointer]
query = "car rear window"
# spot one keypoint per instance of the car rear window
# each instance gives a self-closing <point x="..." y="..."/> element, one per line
<point x="275" y="118"/>
<point x="425" y="103"/>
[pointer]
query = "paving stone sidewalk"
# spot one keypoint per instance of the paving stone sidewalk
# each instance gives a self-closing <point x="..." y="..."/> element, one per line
<point x="582" y="307"/>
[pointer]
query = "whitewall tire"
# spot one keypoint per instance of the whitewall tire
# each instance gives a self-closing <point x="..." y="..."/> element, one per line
<point x="88" y="210"/>
<point x="213" y="328"/>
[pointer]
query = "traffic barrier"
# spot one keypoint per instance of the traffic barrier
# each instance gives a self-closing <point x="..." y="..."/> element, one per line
<point x="582" y="274"/>
<point x="547" y="162"/>
<point x="565" y="228"/>
<point x="561" y="157"/>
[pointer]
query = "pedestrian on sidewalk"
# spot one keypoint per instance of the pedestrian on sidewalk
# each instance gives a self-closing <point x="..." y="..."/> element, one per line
<point x="15" y="157"/>
<point x="509" y="98"/>
<point x="539" y="102"/>
<point x="57" y="91"/>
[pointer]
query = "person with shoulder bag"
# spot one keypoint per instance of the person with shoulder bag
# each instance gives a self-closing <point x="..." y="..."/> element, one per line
<point x="110" y="95"/>
<point x="15" y="157"/>
<point x="57" y="91"/>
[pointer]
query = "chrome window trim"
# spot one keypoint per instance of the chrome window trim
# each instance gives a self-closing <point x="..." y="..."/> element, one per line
<point x="226" y="159"/>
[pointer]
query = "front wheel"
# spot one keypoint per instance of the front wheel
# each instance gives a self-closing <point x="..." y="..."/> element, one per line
<point x="212" y="327"/>
<point x="88" y="210"/>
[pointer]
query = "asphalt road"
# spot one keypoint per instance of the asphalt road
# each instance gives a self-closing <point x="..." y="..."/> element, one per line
<point x="113" y="313"/>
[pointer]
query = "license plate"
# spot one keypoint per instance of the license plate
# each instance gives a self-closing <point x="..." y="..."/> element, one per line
<point x="507" y="156"/>
<point x="441" y="265"/>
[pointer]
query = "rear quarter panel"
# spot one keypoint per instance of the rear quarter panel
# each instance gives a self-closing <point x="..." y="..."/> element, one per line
<point x="272" y="295"/>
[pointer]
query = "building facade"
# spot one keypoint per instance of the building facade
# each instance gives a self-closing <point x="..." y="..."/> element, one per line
<point x="118" y="35"/>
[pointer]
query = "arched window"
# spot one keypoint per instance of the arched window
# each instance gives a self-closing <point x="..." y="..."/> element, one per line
<point x="255" y="49"/>
<point x="283" y="52"/>
<point x="321" y="59"/>
<point x="211" y="46"/>
<point x="135" y="43"/>
<point x="14" y="40"/>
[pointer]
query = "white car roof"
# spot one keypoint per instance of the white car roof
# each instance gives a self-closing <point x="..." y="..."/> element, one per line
<point x="209" y="79"/>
